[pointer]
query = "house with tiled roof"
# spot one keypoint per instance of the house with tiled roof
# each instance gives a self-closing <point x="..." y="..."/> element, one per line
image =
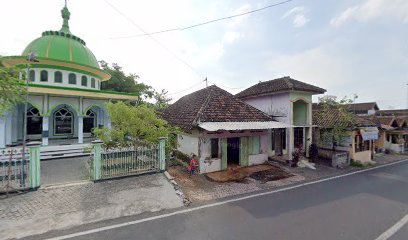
<point x="221" y="129"/>
<point x="396" y="133"/>
<point x="361" y="134"/>
<point x="288" y="101"/>
<point x="367" y="108"/>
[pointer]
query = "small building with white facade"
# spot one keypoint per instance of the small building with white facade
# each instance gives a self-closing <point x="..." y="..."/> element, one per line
<point x="221" y="129"/>
<point x="288" y="101"/>
<point x="65" y="100"/>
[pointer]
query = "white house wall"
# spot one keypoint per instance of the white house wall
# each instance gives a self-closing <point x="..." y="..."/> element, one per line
<point x="188" y="144"/>
<point x="276" y="105"/>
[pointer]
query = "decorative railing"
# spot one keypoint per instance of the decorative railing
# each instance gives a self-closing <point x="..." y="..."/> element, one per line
<point x="126" y="161"/>
<point x="14" y="169"/>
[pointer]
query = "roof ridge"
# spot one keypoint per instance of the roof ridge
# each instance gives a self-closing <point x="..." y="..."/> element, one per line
<point x="200" y="113"/>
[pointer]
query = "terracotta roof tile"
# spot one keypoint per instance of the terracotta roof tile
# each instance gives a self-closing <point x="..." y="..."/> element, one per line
<point x="279" y="85"/>
<point x="334" y="117"/>
<point x="211" y="104"/>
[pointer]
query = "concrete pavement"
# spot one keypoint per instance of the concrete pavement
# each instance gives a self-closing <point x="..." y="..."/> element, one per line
<point x="358" y="206"/>
<point x="65" y="207"/>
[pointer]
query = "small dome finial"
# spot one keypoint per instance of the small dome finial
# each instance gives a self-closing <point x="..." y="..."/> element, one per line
<point x="65" y="16"/>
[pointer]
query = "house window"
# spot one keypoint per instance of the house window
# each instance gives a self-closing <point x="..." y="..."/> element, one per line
<point x="256" y="145"/>
<point x="273" y="139"/>
<point x="89" y="121"/>
<point x="63" y="121"/>
<point x="58" y="77"/>
<point x="32" y="75"/>
<point x="298" y="135"/>
<point x="92" y="82"/>
<point x="283" y="135"/>
<point x="44" y="76"/>
<point x="360" y="144"/>
<point x="72" y="78"/>
<point x="84" y="81"/>
<point x="34" y="121"/>
<point x="214" y="148"/>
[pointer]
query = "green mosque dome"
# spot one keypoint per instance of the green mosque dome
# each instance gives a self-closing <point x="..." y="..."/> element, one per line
<point x="59" y="50"/>
<point x="62" y="45"/>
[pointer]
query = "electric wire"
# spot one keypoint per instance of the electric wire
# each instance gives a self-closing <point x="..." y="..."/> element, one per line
<point x="205" y="23"/>
<point x="152" y="38"/>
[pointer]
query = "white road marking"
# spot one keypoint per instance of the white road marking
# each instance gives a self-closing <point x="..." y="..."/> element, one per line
<point x="120" y="225"/>
<point x="395" y="228"/>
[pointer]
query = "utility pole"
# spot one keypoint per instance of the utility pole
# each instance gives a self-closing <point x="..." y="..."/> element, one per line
<point x="354" y="102"/>
<point x="206" y="82"/>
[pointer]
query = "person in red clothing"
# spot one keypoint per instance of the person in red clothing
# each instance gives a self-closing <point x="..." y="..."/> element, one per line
<point x="193" y="165"/>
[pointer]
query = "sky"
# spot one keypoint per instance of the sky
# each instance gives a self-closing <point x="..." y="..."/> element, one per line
<point x="347" y="47"/>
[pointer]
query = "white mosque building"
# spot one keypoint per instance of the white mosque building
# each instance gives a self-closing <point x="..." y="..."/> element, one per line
<point x="65" y="101"/>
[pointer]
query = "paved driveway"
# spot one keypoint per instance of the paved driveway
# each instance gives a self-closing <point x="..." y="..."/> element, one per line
<point x="64" y="170"/>
<point x="63" y="207"/>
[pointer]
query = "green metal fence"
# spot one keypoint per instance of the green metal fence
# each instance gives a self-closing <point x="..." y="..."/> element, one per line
<point x="126" y="161"/>
<point x="18" y="173"/>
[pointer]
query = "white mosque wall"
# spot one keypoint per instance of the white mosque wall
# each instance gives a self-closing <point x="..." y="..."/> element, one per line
<point x="51" y="80"/>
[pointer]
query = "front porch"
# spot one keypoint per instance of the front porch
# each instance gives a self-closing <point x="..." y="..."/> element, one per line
<point x="60" y="124"/>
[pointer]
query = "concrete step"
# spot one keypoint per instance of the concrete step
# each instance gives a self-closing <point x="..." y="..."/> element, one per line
<point x="64" y="151"/>
<point x="65" y="155"/>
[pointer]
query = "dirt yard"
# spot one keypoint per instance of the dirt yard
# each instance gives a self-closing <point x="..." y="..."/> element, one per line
<point x="230" y="182"/>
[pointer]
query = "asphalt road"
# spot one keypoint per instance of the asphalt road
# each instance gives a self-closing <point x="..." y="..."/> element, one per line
<point x="360" y="206"/>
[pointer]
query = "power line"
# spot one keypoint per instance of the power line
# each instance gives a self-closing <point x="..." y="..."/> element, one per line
<point x="205" y="23"/>
<point x="155" y="40"/>
<point x="174" y="93"/>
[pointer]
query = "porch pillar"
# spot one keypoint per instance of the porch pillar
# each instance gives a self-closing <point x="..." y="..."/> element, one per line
<point x="14" y="126"/>
<point x="20" y="125"/>
<point x="224" y="153"/>
<point x="80" y="129"/>
<point x="289" y="142"/>
<point x="2" y="132"/>
<point x="45" y="130"/>
<point x="9" y="129"/>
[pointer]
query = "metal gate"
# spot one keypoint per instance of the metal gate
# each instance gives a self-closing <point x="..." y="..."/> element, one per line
<point x="14" y="169"/>
<point x="127" y="161"/>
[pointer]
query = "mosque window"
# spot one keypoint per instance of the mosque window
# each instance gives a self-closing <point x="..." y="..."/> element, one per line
<point x="72" y="78"/>
<point x="84" y="81"/>
<point x="58" y="77"/>
<point x="32" y="75"/>
<point x="92" y="82"/>
<point x="44" y="76"/>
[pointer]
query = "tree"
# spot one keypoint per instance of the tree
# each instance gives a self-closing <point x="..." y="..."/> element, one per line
<point x="162" y="100"/>
<point x="12" y="89"/>
<point x="335" y="120"/>
<point x="121" y="82"/>
<point x="133" y="125"/>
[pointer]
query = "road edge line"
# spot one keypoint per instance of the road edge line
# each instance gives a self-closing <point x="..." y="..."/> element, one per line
<point x="394" y="229"/>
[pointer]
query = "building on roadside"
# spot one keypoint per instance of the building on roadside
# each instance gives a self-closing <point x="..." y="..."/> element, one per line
<point x="221" y="129"/>
<point x="288" y="101"/>
<point x="361" y="134"/>
<point x="65" y="99"/>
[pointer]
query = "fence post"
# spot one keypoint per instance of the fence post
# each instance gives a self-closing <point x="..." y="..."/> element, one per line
<point x="97" y="152"/>
<point x="162" y="153"/>
<point x="34" y="167"/>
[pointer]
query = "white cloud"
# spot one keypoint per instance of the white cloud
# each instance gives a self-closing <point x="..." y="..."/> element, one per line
<point x="317" y="66"/>
<point x="230" y="37"/>
<point x="300" y="20"/>
<point x="372" y="9"/>
<point x="299" y="16"/>
<point x="238" y="20"/>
